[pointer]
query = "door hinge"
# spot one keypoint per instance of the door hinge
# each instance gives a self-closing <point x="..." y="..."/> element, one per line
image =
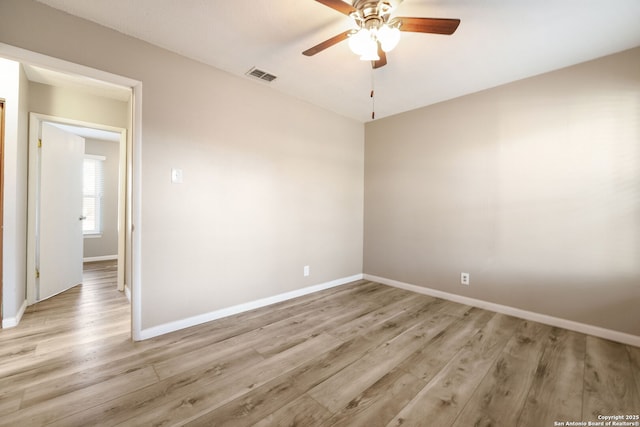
<point x="37" y="274"/>
<point x="39" y="143"/>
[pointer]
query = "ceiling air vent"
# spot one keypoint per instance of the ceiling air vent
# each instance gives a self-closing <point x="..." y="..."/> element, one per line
<point x="260" y="74"/>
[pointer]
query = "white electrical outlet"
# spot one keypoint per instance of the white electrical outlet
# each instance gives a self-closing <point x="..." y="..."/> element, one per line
<point x="464" y="279"/>
<point x="306" y="271"/>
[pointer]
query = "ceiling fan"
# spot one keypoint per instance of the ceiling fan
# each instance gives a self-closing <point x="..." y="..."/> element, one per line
<point x="376" y="32"/>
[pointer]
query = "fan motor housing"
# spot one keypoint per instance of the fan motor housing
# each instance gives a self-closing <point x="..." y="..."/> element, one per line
<point x="369" y="10"/>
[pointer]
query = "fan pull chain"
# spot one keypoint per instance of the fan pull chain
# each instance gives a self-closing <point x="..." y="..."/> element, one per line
<point x="372" y="95"/>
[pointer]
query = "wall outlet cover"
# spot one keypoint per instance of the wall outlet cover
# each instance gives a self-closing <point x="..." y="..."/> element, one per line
<point x="464" y="279"/>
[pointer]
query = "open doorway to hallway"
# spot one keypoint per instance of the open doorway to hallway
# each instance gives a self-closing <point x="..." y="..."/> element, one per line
<point x="65" y="97"/>
<point x="77" y="190"/>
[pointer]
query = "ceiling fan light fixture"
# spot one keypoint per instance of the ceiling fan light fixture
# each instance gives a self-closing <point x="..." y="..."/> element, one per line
<point x="363" y="43"/>
<point x="388" y="37"/>
<point x="371" y="54"/>
<point x="358" y="41"/>
<point x="375" y="32"/>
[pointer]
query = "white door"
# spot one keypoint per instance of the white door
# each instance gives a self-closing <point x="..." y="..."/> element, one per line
<point x="59" y="217"/>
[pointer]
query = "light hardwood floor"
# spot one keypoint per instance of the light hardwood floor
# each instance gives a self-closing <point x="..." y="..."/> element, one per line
<point x="362" y="354"/>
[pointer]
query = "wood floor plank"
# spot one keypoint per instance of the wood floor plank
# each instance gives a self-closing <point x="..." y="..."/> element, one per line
<point x="303" y="411"/>
<point x="331" y="363"/>
<point x="178" y="390"/>
<point x="10" y="403"/>
<point x="63" y="406"/>
<point x="348" y="330"/>
<point x="250" y="407"/>
<point x="309" y="324"/>
<point x="191" y="405"/>
<point x="385" y="315"/>
<point x="30" y="370"/>
<point x="430" y="359"/>
<point x="268" y="340"/>
<point x="609" y="385"/>
<point x="17" y="350"/>
<point x="47" y="338"/>
<point x="232" y="326"/>
<point x="180" y="362"/>
<point x="79" y="380"/>
<point x="98" y="357"/>
<point x="556" y="390"/>
<point x="336" y="392"/>
<point x="315" y="371"/>
<point x="500" y="397"/>
<point x="634" y="359"/>
<point x="90" y="334"/>
<point x="378" y="404"/>
<point x="444" y="397"/>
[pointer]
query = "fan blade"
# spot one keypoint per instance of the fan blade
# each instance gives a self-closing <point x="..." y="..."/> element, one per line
<point x="338" y="5"/>
<point x="327" y="43"/>
<point x="428" y="25"/>
<point x="382" y="61"/>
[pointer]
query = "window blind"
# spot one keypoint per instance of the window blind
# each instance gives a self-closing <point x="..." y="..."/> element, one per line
<point x="92" y="193"/>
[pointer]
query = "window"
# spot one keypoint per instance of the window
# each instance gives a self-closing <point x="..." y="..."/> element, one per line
<point x="92" y="185"/>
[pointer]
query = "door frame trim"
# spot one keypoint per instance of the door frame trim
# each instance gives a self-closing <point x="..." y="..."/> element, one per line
<point x="134" y="162"/>
<point x="2" y="108"/>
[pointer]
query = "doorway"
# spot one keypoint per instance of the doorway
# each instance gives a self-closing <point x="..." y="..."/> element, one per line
<point x="56" y="158"/>
<point x="84" y="75"/>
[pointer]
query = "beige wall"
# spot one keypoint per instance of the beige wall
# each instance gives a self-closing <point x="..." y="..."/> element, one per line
<point x="270" y="183"/>
<point x="533" y="188"/>
<point x="78" y="105"/>
<point x="107" y="243"/>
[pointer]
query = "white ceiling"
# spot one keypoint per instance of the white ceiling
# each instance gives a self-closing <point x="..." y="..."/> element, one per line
<point x="91" y="133"/>
<point x="498" y="41"/>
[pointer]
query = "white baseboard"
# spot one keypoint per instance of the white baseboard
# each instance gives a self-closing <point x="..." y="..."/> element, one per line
<point x="12" y="322"/>
<point x="240" y="308"/>
<point x="597" y="331"/>
<point x="100" y="258"/>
